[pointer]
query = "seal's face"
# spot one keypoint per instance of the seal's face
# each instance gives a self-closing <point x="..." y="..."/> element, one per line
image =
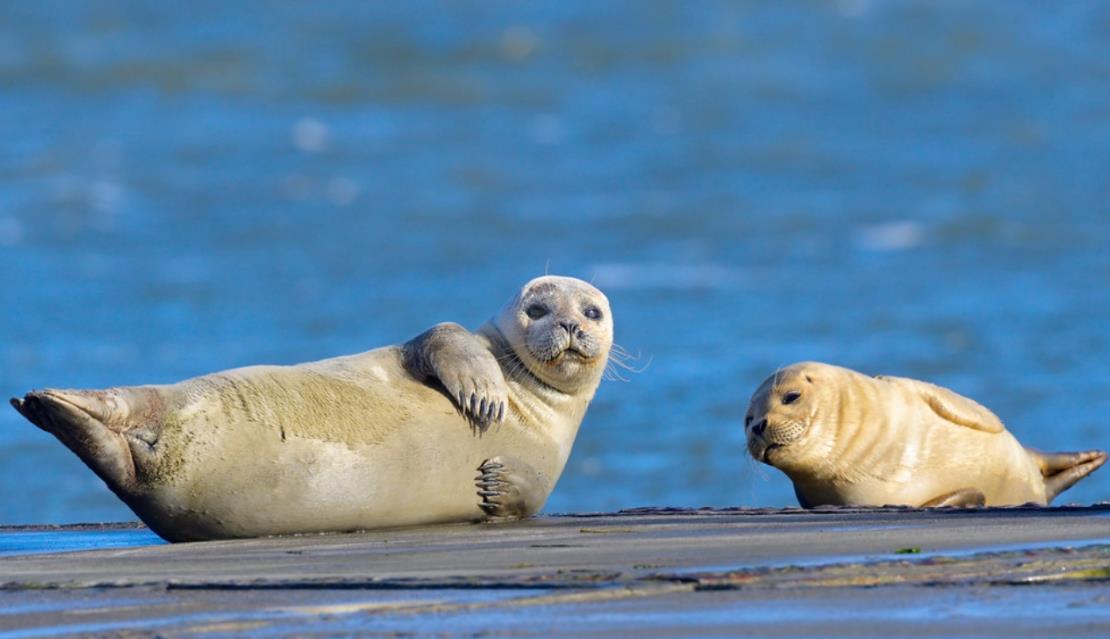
<point x="561" y="329"/>
<point x="782" y="412"/>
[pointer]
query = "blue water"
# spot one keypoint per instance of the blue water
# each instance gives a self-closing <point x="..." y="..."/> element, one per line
<point x="912" y="188"/>
<point x="30" y="542"/>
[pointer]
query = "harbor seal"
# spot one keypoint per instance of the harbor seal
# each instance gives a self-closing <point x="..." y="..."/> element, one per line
<point x="389" y="437"/>
<point x="844" y="438"/>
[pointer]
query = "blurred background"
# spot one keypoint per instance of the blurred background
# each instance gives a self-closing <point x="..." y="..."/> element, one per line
<point x="911" y="188"/>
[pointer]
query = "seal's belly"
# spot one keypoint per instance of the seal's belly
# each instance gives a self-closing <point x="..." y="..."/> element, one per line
<point x="339" y="449"/>
<point x="945" y="459"/>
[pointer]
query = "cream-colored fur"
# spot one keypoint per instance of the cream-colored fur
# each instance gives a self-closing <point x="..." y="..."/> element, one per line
<point x="846" y="438"/>
<point x="348" y="443"/>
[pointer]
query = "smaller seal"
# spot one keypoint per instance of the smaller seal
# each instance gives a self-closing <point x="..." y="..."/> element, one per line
<point x="844" y="438"/>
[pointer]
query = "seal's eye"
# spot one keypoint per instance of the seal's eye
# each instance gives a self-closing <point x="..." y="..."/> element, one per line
<point x="536" y="311"/>
<point x="790" y="397"/>
<point x="592" y="312"/>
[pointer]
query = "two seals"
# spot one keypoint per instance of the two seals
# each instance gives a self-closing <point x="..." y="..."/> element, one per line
<point x="846" y="438"/>
<point x="388" y="437"/>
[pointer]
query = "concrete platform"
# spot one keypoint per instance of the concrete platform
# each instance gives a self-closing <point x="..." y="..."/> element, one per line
<point x="649" y="573"/>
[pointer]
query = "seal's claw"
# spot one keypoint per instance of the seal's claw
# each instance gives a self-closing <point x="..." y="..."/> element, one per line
<point x="480" y="401"/>
<point x="509" y="489"/>
<point x="464" y="367"/>
<point x="482" y="404"/>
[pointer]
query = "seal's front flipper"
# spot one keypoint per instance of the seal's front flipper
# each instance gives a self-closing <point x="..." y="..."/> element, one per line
<point x="1062" y="470"/>
<point x="963" y="498"/>
<point x="509" y="488"/>
<point x="951" y="406"/>
<point x="464" y="365"/>
<point x="91" y="424"/>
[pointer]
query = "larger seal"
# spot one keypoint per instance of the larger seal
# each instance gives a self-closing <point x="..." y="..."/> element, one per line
<point x="451" y="426"/>
<point x="844" y="438"/>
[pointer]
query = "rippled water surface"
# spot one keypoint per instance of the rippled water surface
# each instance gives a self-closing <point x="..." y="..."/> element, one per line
<point x="914" y="188"/>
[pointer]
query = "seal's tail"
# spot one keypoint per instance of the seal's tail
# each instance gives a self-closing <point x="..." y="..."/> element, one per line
<point x="90" y="423"/>
<point x="1062" y="470"/>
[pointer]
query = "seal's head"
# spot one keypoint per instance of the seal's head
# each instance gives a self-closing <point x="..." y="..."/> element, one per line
<point x="786" y="411"/>
<point x="561" y="329"/>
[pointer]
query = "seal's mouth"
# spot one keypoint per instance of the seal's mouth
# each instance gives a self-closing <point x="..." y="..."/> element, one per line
<point x="766" y="457"/>
<point x="570" y="355"/>
<point x="761" y="449"/>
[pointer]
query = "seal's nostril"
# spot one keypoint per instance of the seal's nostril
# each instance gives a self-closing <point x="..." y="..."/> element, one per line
<point x="760" y="427"/>
<point x="571" y="327"/>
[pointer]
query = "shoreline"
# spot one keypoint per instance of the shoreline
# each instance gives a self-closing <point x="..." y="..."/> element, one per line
<point x="661" y="572"/>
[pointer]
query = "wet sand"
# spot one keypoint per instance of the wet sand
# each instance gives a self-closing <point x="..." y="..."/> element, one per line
<point x="649" y="573"/>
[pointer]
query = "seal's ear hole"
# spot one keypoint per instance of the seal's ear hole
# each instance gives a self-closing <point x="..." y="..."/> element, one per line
<point x="809" y="379"/>
<point x="536" y="311"/>
<point x="790" y="397"/>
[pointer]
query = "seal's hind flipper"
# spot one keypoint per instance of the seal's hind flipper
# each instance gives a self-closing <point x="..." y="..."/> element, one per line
<point x="962" y="498"/>
<point x="1062" y="470"/>
<point x="81" y="421"/>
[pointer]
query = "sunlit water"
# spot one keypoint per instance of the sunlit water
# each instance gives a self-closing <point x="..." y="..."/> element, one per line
<point x="911" y="188"/>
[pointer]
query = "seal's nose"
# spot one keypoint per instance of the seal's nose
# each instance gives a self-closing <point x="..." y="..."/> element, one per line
<point x="570" y="327"/>
<point x="760" y="427"/>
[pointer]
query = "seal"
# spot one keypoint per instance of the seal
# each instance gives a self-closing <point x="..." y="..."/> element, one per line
<point x="389" y="437"/>
<point x="844" y="438"/>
